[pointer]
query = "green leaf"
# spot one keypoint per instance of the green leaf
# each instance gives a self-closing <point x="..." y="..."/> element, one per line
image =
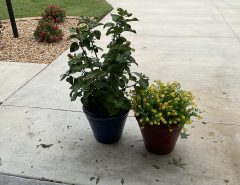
<point x="63" y="76"/>
<point x="133" y="19"/>
<point x="184" y="135"/>
<point x="155" y="166"/>
<point x="132" y="78"/>
<point x="97" y="34"/>
<point x="115" y="17"/>
<point x="122" y="181"/>
<point x="70" y="80"/>
<point x="83" y="28"/>
<point x="86" y="43"/>
<point x="109" y="24"/>
<point x="74" y="47"/>
<point x="138" y="74"/>
<point x="109" y="31"/>
<point x="74" y="36"/>
<point x="119" y="10"/>
<point x="97" y="180"/>
<point x="226" y="181"/>
<point x="123" y="12"/>
<point x="72" y="30"/>
<point x="133" y="31"/>
<point x="45" y="145"/>
<point x="99" y="48"/>
<point x="92" y="178"/>
<point x="177" y="162"/>
<point x="74" y="96"/>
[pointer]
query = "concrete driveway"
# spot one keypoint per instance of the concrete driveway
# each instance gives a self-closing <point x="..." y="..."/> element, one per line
<point x="193" y="41"/>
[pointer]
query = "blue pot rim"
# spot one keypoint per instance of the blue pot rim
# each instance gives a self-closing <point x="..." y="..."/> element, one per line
<point x="95" y="116"/>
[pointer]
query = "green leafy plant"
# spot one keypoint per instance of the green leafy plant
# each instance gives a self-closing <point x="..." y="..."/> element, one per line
<point x="55" y="13"/>
<point x="47" y="31"/>
<point x="103" y="82"/>
<point x="161" y="104"/>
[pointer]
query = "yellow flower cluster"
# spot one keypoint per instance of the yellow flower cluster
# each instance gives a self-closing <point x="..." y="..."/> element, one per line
<point x="164" y="104"/>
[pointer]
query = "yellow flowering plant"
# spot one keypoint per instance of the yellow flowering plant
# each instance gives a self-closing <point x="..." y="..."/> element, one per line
<point x="164" y="104"/>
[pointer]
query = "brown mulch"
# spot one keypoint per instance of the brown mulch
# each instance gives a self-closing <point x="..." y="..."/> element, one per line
<point x="26" y="49"/>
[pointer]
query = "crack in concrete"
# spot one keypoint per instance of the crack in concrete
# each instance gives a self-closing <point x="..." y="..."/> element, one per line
<point x="74" y="111"/>
<point x="44" y="108"/>
<point x="225" y="20"/>
<point x="220" y="123"/>
<point x="25" y="83"/>
<point x="183" y="36"/>
<point x="43" y="179"/>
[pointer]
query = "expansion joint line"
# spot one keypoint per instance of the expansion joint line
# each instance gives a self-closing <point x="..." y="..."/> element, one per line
<point x="225" y="20"/>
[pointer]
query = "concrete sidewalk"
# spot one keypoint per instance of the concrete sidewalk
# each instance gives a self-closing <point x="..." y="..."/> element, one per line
<point x="16" y="75"/>
<point x="194" y="42"/>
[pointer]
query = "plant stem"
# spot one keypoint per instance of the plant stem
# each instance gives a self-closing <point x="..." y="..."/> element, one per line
<point x="85" y="54"/>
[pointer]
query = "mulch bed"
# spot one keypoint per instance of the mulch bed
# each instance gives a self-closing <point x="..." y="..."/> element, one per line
<point x="26" y="49"/>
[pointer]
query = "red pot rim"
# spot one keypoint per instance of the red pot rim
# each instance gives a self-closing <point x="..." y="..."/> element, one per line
<point x="162" y="126"/>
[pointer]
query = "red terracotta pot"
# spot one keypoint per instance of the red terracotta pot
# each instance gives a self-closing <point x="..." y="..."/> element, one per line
<point x="158" y="139"/>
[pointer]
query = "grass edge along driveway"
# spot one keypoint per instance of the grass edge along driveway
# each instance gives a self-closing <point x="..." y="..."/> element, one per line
<point x="34" y="8"/>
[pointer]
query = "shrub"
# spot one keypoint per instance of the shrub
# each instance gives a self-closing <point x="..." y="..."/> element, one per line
<point x="162" y="104"/>
<point x="55" y="13"/>
<point x="48" y="31"/>
<point x="102" y="81"/>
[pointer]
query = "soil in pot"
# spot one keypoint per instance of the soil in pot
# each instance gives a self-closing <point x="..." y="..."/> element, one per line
<point x="106" y="130"/>
<point x="158" y="139"/>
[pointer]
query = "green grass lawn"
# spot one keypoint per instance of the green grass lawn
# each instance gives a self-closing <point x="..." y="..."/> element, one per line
<point x="34" y="8"/>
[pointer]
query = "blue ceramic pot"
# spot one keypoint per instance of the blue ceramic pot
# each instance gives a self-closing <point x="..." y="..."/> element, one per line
<point x="106" y="130"/>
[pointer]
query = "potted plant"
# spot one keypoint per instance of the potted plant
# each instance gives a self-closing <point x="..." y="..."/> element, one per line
<point x="102" y="83"/>
<point x="162" y="110"/>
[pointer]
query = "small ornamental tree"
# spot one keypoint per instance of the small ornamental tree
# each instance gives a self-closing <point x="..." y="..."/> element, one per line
<point x="47" y="31"/>
<point x="102" y="83"/>
<point x="55" y="13"/>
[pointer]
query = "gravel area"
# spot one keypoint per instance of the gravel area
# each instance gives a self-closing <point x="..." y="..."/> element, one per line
<point x="26" y="49"/>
